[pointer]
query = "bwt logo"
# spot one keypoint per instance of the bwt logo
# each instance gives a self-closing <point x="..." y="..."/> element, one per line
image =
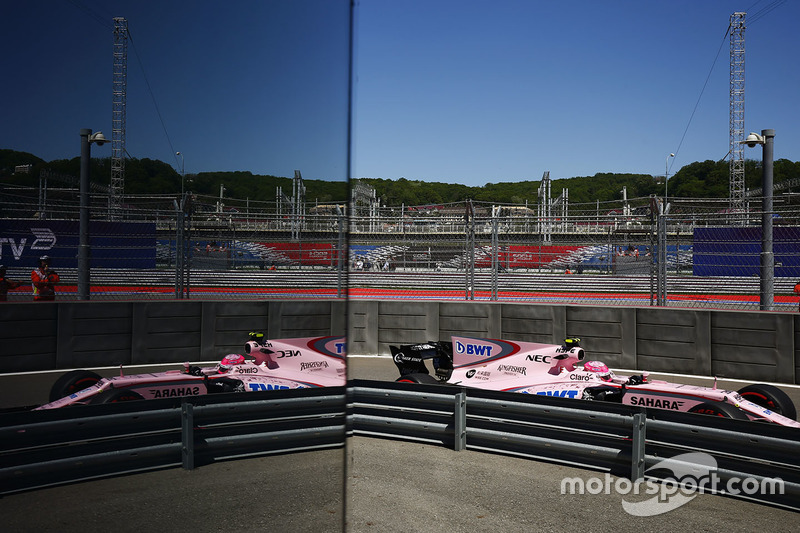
<point x="267" y="386"/>
<point x="480" y="350"/>
<point x="45" y="240"/>
<point x="559" y="393"/>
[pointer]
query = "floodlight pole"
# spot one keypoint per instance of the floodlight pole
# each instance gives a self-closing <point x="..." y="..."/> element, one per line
<point x="767" y="270"/>
<point x="183" y="171"/>
<point x="83" y="245"/>
<point x="666" y="177"/>
<point x="767" y="256"/>
<point x="83" y="225"/>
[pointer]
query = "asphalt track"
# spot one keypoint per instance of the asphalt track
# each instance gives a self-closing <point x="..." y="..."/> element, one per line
<point x="391" y="486"/>
<point x="740" y="293"/>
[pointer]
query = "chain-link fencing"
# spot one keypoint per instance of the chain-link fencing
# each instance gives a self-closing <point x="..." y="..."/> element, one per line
<point x="696" y="253"/>
<point x="166" y="247"/>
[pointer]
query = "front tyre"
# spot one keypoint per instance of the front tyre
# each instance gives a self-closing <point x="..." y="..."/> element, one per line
<point x="72" y="382"/>
<point x="417" y="378"/>
<point x="720" y="409"/>
<point x="770" y="397"/>
<point x="116" y="396"/>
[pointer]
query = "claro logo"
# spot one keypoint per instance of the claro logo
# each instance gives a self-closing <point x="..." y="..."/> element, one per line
<point x="481" y="350"/>
<point x="44" y="239"/>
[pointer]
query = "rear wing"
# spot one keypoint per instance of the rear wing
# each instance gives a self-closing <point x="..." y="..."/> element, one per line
<point x="468" y="352"/>
<point x="410" y="358"/>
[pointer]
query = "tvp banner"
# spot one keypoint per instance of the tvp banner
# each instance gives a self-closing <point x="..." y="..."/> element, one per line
<point x="111" y="244"/>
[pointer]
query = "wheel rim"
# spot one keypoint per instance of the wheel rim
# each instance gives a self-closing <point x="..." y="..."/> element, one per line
<point x="81" y="384"/>
<point x="762" y="400"/>
<point x="710" y="410"/>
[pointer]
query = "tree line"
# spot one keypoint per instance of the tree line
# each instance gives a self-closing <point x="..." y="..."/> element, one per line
<point x="706" y="179"/>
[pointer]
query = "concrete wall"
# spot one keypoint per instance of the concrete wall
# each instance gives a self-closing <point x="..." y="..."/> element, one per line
<point x="755" y="346"/>
<point x="42" y="336"/>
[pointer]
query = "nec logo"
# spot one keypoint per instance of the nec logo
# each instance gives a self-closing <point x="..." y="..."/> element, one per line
<point x="538" y="358"/>
<point x="480" y="350"/>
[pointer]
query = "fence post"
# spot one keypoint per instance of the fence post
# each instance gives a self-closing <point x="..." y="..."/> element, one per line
<point x="637" y="447"/>
<point x="179" y="249"/>
<point x="495" y="254"/>
<point x="187" y="435"/>
<point x="342" y="257"/>
<point x="460" y="422"/>
<point x="469" y="255"/>
<point x="661" y="280"/>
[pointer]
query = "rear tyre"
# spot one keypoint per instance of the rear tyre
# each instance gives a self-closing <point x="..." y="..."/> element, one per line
<point x="770" y="397"/>
<point x="720" y="409"/>
<point x="603" y="394"/>
<point x="72" y="382"/>
<point x="417" y="378"/>
<point x="116" y="396"/>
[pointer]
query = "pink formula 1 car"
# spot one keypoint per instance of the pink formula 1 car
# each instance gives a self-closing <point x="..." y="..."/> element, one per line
<point x="552" y="370"/>
<point x="267" y="365"/>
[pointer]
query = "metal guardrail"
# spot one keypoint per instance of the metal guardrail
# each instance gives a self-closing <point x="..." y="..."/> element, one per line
<point x="45" y="448"/>
<point x="623" y="440"/>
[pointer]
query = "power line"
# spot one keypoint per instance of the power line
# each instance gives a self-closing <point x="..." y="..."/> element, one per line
<point x="749" y="9"/>
<point x="708" y="77"/>
<point x="100" y="19"/>
<point x="104" y="21"/>
<point x="764" y="11"/>
<point x="152" y="95"/>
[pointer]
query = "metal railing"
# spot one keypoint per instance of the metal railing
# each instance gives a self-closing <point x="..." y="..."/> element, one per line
<point x="46" y="448"/>
<point x="176" y="250"/>
<point x="626" y="441"/>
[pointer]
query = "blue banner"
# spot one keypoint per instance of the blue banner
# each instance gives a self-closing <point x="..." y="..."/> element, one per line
<point x="111" y="244"/>
<point x="737" y="251"/>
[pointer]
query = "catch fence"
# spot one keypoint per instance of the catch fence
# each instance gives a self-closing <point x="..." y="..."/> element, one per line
<point x="698" y="253"/>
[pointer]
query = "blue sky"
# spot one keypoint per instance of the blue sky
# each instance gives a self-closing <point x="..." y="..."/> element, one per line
<point x="476" y="92"/>
<point x="243" y="85"/>
<point x="455" y="91"/>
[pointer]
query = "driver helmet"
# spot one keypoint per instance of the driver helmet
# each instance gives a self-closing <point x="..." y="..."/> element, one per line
<point x="599" y="368"/>
<point x="45" y="259"/>
<point x="229" y="361"/>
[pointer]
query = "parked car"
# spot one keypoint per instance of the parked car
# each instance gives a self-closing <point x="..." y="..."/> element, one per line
<point x="266" y="365"/>
<point x="552" y="370"/>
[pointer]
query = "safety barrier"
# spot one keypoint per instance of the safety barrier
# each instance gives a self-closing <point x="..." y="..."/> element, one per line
<point x="44" y="448"/>
<point x="625" y="441"/>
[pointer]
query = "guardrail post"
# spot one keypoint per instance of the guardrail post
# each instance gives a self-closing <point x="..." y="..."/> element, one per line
<point x="460" y="422"/>
<point x="187" y="435"/>
<point x="637" y="448"/>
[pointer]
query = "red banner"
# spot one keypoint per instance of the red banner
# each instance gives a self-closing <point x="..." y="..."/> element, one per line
<point x="516" y="256"/>
<point x="306" y="253"/>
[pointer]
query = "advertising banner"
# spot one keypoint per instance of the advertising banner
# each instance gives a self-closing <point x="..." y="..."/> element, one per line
<point x="111" y="244"/>
<point x="737" y="251"/>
